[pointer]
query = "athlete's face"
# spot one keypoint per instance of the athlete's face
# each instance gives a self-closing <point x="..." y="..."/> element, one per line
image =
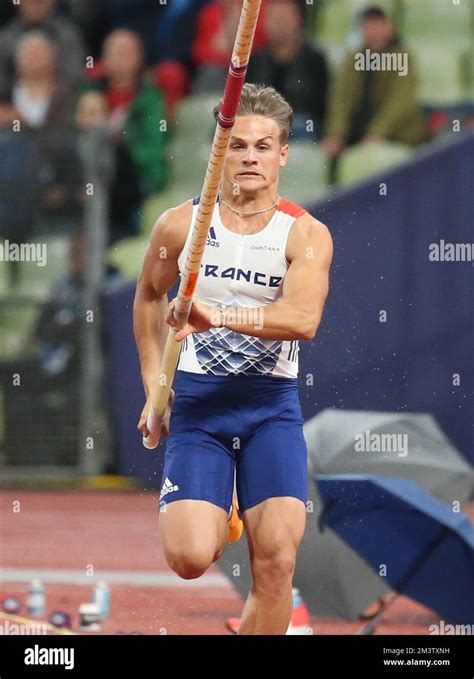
<point x="255" y="154"/>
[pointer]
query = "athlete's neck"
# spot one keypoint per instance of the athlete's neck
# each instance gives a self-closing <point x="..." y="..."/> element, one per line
<point x="247" y="205"/>
<point x="246" y="216"/>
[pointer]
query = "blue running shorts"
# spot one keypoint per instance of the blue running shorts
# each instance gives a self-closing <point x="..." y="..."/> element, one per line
<point x="219" y="424"/>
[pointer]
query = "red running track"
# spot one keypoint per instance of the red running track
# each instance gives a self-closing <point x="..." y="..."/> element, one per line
<point x="65" y="538"/>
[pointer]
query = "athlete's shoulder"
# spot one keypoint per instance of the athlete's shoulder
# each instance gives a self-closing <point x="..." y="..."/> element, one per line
<point x="305" y="224"/>
<point x="307" y="231"/>
<point x="177" y="215"/>
<point x="303" y="219"/>
<point x="172" y="226"/>
<point x="289" y="208"/>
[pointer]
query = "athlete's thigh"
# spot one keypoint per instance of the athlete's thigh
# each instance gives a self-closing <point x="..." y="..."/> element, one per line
<point x="196" y="493"/>
<point x="274" y="462"/>
<point x="194" y="526"/>
<point x="275" y="527"/>
<point x="198" y="464"/>
<point x="197" y="467"/>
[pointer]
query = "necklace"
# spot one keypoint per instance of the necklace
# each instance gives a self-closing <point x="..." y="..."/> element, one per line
<point x="246" y="214"/>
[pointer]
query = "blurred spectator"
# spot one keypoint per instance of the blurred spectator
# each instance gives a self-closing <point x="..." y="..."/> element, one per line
<point x="136" y="113"/>
<point x="19" y="188"/>
<point x="53" y="371"/>
<point x="177" y="30"/>
<point x="292" y="65"/>
<point x="215" y="35"/>
<point x="40" y="97"/>
<point x="140" y="16"/>
<point x="92" y="111"/>
<point x="369" y="105"/>
<point x="7" y="110"/>
<point x="59" y="327"/>
<point x="41" y="14"/>
<point x="175" y="69"/>
<point x="58" y="330"/>
<point x="124" y="194"/>
<point x="172" y="78"/>
<point x="43" y="105"/>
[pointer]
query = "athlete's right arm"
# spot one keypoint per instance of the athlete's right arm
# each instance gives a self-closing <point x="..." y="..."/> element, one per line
<point x="159" y="273"/>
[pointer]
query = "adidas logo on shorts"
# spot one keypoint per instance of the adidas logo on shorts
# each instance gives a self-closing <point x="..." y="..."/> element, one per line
<point x="168" y="487"/>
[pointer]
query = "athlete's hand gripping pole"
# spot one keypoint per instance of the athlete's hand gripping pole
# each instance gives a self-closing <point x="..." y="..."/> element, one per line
<point x="225" y="123"/>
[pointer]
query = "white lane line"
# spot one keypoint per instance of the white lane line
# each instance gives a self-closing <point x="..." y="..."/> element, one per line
<point x="137" y="578"/>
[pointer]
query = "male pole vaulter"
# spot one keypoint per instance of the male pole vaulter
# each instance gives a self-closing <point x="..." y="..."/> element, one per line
<point x="262" y="288"/>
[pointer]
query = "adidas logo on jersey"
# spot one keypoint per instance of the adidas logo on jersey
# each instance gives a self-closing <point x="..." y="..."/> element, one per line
<point x="168" y="487"/>
<point x="212" y="239"/>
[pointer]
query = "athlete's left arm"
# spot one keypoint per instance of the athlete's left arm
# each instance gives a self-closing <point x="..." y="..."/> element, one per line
<point x="297" y="313"/>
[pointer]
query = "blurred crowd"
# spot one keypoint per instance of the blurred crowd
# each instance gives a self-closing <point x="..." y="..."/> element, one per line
<point x="113" y="72"/>
<point x="69" y="66"/>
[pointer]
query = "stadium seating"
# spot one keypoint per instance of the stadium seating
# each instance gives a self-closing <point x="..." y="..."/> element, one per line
<point x="304" y="178"/>
<point x="363" y="160"/>
<point x="127" y="255"/>
<point x="433" y="30"/>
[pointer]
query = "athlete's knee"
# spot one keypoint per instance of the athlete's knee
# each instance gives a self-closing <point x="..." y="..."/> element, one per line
<point x="275" y="568"/>
<point x="189" y="563"/>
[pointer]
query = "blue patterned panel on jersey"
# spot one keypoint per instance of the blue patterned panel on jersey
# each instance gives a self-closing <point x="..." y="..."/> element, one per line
<point x="221" y="351"/>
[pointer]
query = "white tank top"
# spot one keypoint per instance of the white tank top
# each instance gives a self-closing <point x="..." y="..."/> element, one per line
<point x="241" y="271"/>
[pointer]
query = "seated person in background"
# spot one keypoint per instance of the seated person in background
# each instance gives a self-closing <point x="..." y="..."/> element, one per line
<point x="59" y="328"/>
<point x="40" y="97"/>
<point x="212" y="46"/>
<point x="136" y="112"/>
<point x="124" y="196"/>
<point x="374" y="105"/>
<point x="43" y="105"/>
<point x="91" y="111"/>
<point x="18" y="182"/>
<point x="292" y="65"/>
<point x="41" y="14"/>
<point x="140" y="16"/>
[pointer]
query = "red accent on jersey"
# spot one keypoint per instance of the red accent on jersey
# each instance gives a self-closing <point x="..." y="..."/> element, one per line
<point x="290" y="208"/>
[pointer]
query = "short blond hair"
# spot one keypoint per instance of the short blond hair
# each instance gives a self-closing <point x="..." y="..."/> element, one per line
<point x="263" y="100"/>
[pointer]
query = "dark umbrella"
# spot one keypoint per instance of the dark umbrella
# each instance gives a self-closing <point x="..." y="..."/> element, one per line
<point x="425" y="548"/>
<point x="341" y="442"/>
<point x="333" y="579"/>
